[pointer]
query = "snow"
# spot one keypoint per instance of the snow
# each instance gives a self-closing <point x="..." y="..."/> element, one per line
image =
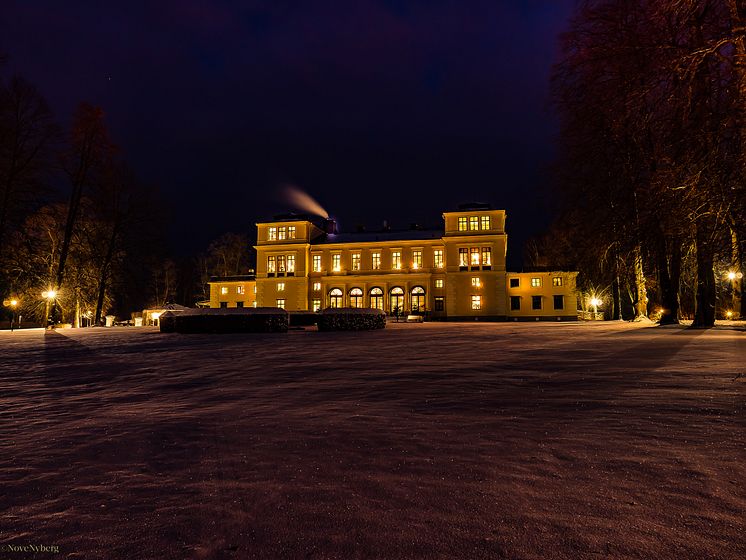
<point x="510" y="440"/>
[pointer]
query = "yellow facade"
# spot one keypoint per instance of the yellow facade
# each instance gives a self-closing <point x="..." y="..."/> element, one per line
<point x="454" y="273"/>
<point x="232" y="291"/>
<point x="542" y="294"/>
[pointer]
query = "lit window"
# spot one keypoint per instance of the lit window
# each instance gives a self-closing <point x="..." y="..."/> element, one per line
<point x="291" y="263"/>
<point x="376" y="261"/>
<point x="535" y="302"/>
<point x="476" y="302"/>
<point x="272" y="233"/>
<point x="515" y="303"/>
<point x="317" y="263"/>
<point x="335" y="298"/>
<point x="462" y="223"/>
<point x="486" y="256"/>
<point x="559" y="302"/>
<point x="255" y="291"/>
<point x="473" y="223"/>
<point x="476" y="282"/>
<point x="416" y="259"/>
<point x="291" y="232"/>
<point x="439" y="283"/>
<point x="223" y="290"/>
<point x="438" y="258"/>
<point x="239" y="289"/>
<point x="376" y="298"/>
<point x="396" y="260"/>
<point x="271" y="267"/>
<point x="355" y="261"/>
<point x="417" y="299"/>
<point x="515" y="282"/>
<point x="280" y="263"/>
<point x="317" y="286"/>
<point x="463" y="257"/>
<point x="356" y="297"/>
<point x="253" y="304"/>
<point x="474" y="256"/>
<point x="281" y="286"/>
<point x="281" y="303"/>
<point x="536" y="282"/>
<point x="316" y="304"/>
<point x="282" y="233"/>
<point x="485" y="222"/>
<point x="336" y="262"/>
<point x="557" y="282"/>
<point x="440" y="303"/>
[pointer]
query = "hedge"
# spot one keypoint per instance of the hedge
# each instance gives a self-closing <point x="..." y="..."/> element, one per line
<point x="351" y="319"/>
<point x="261" y="320"/>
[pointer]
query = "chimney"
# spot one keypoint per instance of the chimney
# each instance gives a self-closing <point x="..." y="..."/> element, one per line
<point x="330" y="226"/>
<point x="386" y="225"/>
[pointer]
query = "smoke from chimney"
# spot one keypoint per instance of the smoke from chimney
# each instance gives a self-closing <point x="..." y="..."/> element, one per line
<point x="302" y="201"/>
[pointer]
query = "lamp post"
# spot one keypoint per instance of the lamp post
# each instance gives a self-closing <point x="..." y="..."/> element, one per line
<point x="595" y="302"/>
<point x="13" y="304"/>
<point x="735" y="279"/>
<point x="49" y="296"/>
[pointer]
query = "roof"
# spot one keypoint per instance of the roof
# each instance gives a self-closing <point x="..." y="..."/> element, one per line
<point x="237" y="278"/>
<point x="372" y="236"/>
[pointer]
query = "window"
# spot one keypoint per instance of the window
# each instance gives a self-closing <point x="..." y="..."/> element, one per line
<point x="474" y="256"/>
<point x="515" y="282"/>
<point x="463" y="257"/>
<point x="559" y="302"/>
<point x="557" y="282"/>
<point x="291" y="263"/>
<point x="223" y="290"/>
<point x="476" y="282"/>
<point x="416" y="259"/>
<point x="396" y="298"/>
<point x="282" y="233"/>
<point x="418" y="299"/>
<point x="317" y="263"/>
<point x="396" y="260"/>
<point x="316" y="304"/>
<point x="438" y="258"/>
<point x="291" y="232"/>
<point x="440" y="303"/>
<point x="239" y="289"/>
<point x="473" y="223"/>
<point x="280" y="263"/>
<point x="355" y="261"/>
<point x="336" y="262"/>
<point x="335" y="298"/>
<point x="356" y="297"/>
<point x="476" y="302"/>
<point x="317" y="286"/>
<point x="536" y="282"/>
<point x="376" y="298"/>
<point x="462" y="224"/>
<point x="281" y="286"/>
<point x="255" y="291"/>
<point x="486" y="222"/>
<point x="272" y="233"/>
<point x="253" y="304"/>
<point x="515" y="303"/>
<point x="223" y="304"/>
<point x="535" y="302"/>
<point x="281" y="303"/>
<point x="376" y="261"/>
<point x="486" y="256"/>
<point x="439" y="283"/>
<point x="239" y="304"/>
<point x="271" y="264"/>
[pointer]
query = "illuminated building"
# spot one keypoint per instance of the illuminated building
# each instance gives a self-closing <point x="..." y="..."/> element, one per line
<point x="456" y="273"/>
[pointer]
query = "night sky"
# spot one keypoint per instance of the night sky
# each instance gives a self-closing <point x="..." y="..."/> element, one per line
<point x="378" y="109"/>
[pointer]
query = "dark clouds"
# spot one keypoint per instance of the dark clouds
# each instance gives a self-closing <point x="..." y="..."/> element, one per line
<point x="383" y="109"/>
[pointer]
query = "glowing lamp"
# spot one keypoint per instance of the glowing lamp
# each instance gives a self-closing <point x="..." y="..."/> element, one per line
<point x="731" y="276"/>
<point x="13" y="302"/>
<point x="156" y="316"/>
<point x="51" y="294"/>
<point x="729" y="314"/>
<point x="595" y="302"/>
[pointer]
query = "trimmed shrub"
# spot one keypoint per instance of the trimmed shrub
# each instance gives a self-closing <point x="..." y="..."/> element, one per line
<point x="351" y="319"/>
<point x="303" y="318"/>
<point x="260" y="320"/>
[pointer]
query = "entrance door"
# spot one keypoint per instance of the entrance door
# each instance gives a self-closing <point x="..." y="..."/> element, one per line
<point x="396" y="301"/>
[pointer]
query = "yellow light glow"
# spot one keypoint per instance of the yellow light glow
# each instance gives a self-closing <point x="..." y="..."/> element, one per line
<point x="156" y="316"/>
<point x="51" y="294"/>
<point x="415" y="266"/>
<point x="13" y="302"/>
<point x="731" y="276"/>
<point x="595" y="302"/>
<point x="729" y="314"/>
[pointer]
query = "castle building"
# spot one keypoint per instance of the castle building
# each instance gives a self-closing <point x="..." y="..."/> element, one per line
<point x="456" y="273"/>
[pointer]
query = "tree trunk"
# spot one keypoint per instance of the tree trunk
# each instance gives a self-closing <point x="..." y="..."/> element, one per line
<point x="616" y="295"/>
<point x="668" y="278"/>
<point x="104" y="277"/>
<point x="704" y="314"/>
<point x="641" y="296"/>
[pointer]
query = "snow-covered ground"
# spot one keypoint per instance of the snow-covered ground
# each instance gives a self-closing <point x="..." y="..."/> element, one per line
<point x="525" y="441"/>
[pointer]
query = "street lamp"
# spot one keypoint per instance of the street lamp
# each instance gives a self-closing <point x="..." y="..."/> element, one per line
<point x="595" y="302"/>
<point x="735" y="278"/>
<point x="49" y="296"/>
<point x="13" y="304"/>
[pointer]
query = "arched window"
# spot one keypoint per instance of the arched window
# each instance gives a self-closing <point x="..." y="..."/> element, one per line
<point x="335" y="297"/>
<point x="376" y="298"/>
<point x="418" y="299"/>
<point x="396" y="301"/>
<point x="356" y="297"/>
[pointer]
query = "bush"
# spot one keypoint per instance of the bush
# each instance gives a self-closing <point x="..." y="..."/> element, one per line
<point x="351" y="319"/>
<point x="262" y="320"/>
<point x="303" y="318"/>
